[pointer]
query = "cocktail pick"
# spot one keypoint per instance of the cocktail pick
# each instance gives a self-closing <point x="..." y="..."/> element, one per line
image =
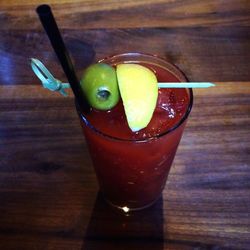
<point x="53" y="84"/>
<point x="185" y="84"/>
<point x="47" y="79"/>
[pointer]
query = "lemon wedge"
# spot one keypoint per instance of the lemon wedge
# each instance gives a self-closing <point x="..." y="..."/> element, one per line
<point x="139" y="91"/>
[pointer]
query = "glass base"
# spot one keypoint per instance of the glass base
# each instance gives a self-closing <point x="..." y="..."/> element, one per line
<point x="127" y="210"/>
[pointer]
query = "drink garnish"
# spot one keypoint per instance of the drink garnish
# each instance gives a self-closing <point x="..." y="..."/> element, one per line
<point x="139" y="91"/>
<point x="103" y="85"/>
<point x="99" y="83"/>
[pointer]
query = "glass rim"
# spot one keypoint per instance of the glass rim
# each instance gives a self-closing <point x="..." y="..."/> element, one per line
<point x="157" y="136"/>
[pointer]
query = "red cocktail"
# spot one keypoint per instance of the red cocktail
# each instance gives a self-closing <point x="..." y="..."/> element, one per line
<point x="132" y="167"/>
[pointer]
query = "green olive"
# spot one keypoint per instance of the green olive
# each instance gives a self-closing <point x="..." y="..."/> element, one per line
<point x="99" y="83"/>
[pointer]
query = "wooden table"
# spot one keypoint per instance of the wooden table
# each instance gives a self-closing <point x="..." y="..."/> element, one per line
<point x="48" y="191"/>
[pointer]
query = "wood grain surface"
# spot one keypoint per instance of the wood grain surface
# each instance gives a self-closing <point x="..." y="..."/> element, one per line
<point x="48" y="190"/>
<point x="49" y="194"/>
<point x="208" y="40"/>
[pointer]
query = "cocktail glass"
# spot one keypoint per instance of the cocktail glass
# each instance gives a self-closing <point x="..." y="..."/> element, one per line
<point x="132" y="173"/>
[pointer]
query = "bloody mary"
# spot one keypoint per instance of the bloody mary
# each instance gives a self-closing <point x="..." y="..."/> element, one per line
<point x="132" y="167"/>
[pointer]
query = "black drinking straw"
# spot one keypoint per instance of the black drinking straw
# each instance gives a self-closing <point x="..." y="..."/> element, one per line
<point x="49" y="24"/>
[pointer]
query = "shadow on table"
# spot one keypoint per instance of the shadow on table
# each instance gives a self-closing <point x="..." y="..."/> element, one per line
<point x="111" y="229"/>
